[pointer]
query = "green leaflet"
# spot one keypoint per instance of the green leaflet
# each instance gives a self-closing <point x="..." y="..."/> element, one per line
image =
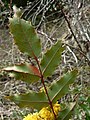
<point x="34" y="100"/>
<point x="66" y="113"/>
<point x="60" y="87"/>
<point x="25" y="36"/>
<point x="22" y="72"/>
<point x="51" y="59"/>
<point x="26" y="77"/>
<point x="23" y="67"/>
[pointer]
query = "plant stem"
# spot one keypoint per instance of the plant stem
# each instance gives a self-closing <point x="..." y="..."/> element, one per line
<point x="75" y="38"/>
<point x="69" y="26"/>
<point x="42" y="80"/>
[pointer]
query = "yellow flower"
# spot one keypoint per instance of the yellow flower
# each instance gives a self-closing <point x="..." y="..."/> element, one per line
<point x="45" y="114"/>
<point x="56" y="108"/>
<point x="33" y="116"/>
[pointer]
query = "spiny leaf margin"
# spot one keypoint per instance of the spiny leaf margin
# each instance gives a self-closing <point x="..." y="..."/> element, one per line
<point x="67" y="112"/>
<point x="60" y="87"/>
<point x="51" y="59"/>
<point x="22" y="72"/>
<point x="32" y="99"/>
<point x="25" y="36"/>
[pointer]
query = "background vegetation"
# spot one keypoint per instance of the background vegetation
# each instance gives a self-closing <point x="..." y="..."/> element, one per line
<point x="53" y="20"/>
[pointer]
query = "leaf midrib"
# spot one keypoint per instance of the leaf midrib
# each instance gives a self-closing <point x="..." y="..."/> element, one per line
<point x="60" y="89"/>
<point x="33" y="101"/>
<point x="50" y="61"/>
<point x="26" y="38"/>
<point x="69" y="112"/>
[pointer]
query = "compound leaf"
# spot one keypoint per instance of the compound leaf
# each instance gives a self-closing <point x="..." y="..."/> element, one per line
<point x="25" y="36"/>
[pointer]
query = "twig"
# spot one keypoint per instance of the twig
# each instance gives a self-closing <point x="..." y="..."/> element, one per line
<point x="79" y="52"/>
<point x="69" y="26"/>
<point x="42" y="79"/>
<point x="72" y="54"/>
<point x="44" y="34"/>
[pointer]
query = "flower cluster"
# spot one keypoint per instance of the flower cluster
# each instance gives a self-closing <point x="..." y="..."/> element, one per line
<point x="44" y="114"/>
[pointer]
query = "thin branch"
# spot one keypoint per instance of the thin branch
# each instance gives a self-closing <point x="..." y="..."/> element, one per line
<point x="42" y="80"/>
<point x="53" y="39"/>
<point x="72" y="53"/>
<point x="44" y="34"/>
<point x="79" y="52"/>
<point x="69" y="26"/>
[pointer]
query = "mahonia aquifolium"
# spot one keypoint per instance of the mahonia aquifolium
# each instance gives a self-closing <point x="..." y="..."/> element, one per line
<point x="44" y="114"/>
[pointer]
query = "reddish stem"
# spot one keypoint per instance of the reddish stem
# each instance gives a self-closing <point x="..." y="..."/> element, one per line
<point x="42" y="80"/>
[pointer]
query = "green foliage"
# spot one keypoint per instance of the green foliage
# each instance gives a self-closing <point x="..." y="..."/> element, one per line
<point x="56" y="91"/>
<point x="81" y="94"/>
<point x="60" y="88"/>
<point x="51" y="59"/>
<point x="25" y="36"/>
<point x="84" y="105"/>
<point x="22" y="72"/>
<point x="32" y="99"/>
<point x="66" y="113"/>
<point x="26" y="39"/>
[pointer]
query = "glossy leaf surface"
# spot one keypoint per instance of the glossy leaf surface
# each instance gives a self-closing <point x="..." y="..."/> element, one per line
<point x="22" y="72"/>
<point x="34" y="100"/>
<point x="51" y="59"/>
<point x="25" y="36"/>
<point x="60" y="87"/>
<point x="67" y="112"/>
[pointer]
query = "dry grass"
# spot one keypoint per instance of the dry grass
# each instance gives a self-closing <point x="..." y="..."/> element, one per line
<point x="72" y="58"/>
